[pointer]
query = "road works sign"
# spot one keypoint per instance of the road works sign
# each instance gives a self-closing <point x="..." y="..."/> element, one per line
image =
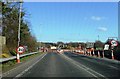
<point x="20" y="49"/>
<point x="106" y="47"/>
<point x="114" y="43"/>
<point x="90" y="45"/>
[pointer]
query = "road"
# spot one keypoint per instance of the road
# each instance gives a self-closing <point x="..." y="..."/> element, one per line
<point x="71" y="65"/>
<point x="104" y="67"/>
<point x="53" y="65"/>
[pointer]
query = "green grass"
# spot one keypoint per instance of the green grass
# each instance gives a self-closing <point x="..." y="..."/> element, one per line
<point x="11" y="64"/>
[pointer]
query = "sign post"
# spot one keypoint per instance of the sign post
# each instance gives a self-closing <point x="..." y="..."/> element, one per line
<point x="19" y="51"/>
<point x="113" y="44"/>
<point x="18" y="60"/>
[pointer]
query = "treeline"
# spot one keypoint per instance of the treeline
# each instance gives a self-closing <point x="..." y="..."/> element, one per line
<point x="98" y="45"/>
<point x="10" y="23"/>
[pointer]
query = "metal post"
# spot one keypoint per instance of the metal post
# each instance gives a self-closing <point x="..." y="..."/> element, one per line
<point x="18" y="57"/>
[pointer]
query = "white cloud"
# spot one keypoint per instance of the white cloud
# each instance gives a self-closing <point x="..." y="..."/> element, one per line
<point x="97" y="18"/>
<point x="102" y="28"/>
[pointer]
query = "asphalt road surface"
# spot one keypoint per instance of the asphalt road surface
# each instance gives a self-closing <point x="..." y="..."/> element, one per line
<point x="71" y="65"/>
<point x="54" y="65"/>
<point x="103" y="67"/>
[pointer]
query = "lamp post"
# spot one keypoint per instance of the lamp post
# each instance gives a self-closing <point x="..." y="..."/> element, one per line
<point x="18" y="56"/>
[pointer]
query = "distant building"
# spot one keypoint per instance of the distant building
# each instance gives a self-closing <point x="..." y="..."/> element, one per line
<point x="53" y="48"/>
<point x="89" y="44"/>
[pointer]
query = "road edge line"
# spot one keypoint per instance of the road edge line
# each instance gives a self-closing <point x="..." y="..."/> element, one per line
<point x="75" y="63"/>
<point x="19" y="75"/>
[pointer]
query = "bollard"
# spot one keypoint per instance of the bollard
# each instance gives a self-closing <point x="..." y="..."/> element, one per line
<point x="93" y="53"/>
<point x="86" y="52"/>
<point x="98" y="54"/>
<point x="112" y="55"/>
<point x="90" y="53"/>
<point x="18" y="58"/>
<point x="103" y="54"/>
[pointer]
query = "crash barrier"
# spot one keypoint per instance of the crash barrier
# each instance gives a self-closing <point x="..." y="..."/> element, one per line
<point x="2" y="60"/>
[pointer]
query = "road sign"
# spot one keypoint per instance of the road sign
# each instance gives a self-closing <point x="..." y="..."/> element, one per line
<point x="106" y="47"/>
<point x="20" y="49"/>
<point x="114" y="43"/>
<point x="90" y="45"/>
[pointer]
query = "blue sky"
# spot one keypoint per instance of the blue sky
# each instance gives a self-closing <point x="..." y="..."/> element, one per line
<point x="72" y="21"/>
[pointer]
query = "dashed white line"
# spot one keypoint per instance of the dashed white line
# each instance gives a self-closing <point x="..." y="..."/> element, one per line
<point x="19" y="75"/>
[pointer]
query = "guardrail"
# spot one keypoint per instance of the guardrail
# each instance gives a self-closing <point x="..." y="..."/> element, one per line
<point x="14" y="57"/>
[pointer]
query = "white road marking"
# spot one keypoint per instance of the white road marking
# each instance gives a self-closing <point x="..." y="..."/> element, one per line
<point x="19" y="75"/>
<point x="114" y="67"/>
<point x="108" y="65"/>
<point x="9" y="71"/>
<point x="83" y="67"/>
<point x="6" y="73"/>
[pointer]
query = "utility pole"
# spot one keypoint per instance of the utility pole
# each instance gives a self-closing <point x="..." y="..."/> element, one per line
<point x="18" y="56"/>
<point x="19" y="23"/>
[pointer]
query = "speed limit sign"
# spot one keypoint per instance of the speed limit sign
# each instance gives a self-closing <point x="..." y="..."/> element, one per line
<point x="114" y="43"/>
<point x="20" y="49"/>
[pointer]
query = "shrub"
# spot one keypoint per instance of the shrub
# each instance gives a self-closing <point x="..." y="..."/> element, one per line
<point x="13" y="52"/>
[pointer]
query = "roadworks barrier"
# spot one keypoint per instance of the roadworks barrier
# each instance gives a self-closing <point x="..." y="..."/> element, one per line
<point x="115" y="54"/>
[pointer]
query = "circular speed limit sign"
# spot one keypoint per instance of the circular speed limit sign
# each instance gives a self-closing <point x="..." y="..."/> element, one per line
<point x="20" y="49"/>
<point x="114" y="43"/>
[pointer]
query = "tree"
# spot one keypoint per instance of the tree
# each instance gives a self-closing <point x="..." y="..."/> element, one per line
<point x="10" y="24"/>
<point x="10" y="18"/>
<point x="99" y="44"/>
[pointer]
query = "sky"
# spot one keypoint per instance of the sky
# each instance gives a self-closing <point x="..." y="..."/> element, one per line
<point x="72" y="21"/>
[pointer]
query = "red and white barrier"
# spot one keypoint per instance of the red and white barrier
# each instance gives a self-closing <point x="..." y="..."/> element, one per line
<point x="112" y="55"/>
<point x="18" y="58"/>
